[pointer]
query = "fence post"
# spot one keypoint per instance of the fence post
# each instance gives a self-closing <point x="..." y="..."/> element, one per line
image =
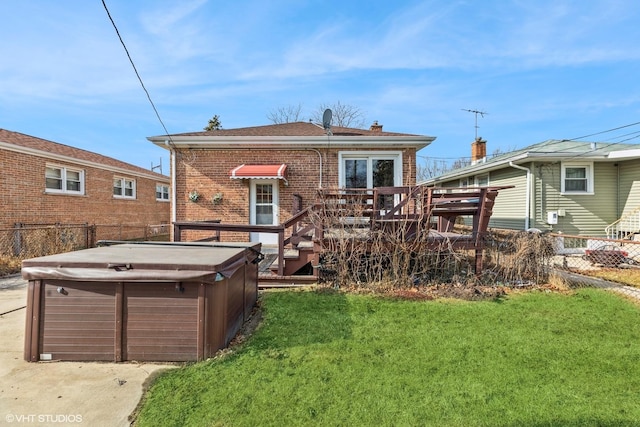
<point x="17" y="239"/>
<point x="91" y="236"/>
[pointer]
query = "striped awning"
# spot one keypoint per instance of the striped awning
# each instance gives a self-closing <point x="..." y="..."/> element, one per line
<point x="259" y="172"/>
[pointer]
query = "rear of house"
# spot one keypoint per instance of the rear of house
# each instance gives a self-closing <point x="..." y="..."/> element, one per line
<point x="264" y="175"/>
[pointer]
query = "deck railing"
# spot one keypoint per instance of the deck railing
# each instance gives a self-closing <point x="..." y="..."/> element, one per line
<point x="414" y="209"/>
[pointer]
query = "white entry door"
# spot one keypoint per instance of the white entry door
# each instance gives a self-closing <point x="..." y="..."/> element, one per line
<point x="264" y="209"/>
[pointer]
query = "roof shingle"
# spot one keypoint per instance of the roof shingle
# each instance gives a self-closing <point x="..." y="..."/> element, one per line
<point x="34" y="143"/>
<point x="292" y="129"/>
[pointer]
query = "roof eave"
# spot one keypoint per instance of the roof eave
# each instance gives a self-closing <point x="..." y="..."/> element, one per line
<point x="417" y="142"/>
<point x="625" y="154"/>
<point x="87" y="163"/>
<point x="518" y="159"/>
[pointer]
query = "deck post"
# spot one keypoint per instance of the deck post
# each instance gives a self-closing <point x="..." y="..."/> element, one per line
<point x="281" y="252"/>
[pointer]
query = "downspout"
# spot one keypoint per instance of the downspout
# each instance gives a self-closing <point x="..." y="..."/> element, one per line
<point x="174" y="199"/>
<point x="320" y="157"/>
<point x="527" y="203"/>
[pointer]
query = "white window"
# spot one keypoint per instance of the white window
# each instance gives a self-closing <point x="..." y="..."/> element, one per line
<point x="464" y="182"/>
<point x="370" y="169"/>
<point x="577" y="178"/>
<point x="362" y="169"/>
<point x="481" y="180"/>
<point x="60" y="179"/>
<point x="124" y="188"/>
<point x="162" y="192"/>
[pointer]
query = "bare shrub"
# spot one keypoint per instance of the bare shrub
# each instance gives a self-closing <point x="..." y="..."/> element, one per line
<point x="404" y="253"/>
<point x="396" y="254"/>
<point x="519" y="256"/>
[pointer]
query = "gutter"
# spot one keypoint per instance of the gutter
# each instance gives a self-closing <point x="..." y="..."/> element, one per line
<point x="527" y="203"/>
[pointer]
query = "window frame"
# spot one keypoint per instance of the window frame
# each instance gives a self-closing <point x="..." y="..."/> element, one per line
<point x="477" y="178"/>
<point x="123" y="181"/>
<point x="589" y="178"/>
<point x="396" y="156"/>
<point x="64" y="180"/>
<point x="162" y="192"/>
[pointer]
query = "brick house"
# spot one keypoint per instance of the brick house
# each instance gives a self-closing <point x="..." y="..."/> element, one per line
<point x="264" y="174"/>
<point x="44" y="182"/>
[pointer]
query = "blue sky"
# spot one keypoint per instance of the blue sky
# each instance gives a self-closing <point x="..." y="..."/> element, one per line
<point x="545" y="69"/>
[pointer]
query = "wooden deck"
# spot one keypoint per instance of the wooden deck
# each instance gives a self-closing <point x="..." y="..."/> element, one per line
<point x="343" y="218"/>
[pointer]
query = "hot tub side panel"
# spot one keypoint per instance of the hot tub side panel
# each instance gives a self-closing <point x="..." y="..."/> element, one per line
<point x="77" y="321"/>
<point x="229" y="303"/>
<point x="250" y="288"/>
<point x="235" y="304"/>
<point x="161" y="321"/>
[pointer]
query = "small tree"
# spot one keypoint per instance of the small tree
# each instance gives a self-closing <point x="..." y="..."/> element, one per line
<point x="343" y="115"/>
<point x="431" y="169"/>
<point x="214" y="123"/>
<point x="288" y="114"/>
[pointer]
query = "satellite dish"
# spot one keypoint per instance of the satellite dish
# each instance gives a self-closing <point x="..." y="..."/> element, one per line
<point x="326" y="120"/>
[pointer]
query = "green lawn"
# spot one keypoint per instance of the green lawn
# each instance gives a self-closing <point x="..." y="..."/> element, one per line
<point x="535" y="359"/>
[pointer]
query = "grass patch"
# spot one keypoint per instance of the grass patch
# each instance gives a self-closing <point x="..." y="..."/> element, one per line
<point x="536" y="359"/>
<point x="624" y="276"/>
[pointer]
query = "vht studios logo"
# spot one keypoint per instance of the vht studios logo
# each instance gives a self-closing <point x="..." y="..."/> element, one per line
<point x="43" y="418"/>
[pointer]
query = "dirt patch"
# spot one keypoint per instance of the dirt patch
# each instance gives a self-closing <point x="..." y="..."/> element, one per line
<point x="457" y="291"/>
<point x="461" y="291"/>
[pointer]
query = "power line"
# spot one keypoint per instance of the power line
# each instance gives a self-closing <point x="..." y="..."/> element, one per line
<point x="138" y="74"/>
<point x="604" y="131"/>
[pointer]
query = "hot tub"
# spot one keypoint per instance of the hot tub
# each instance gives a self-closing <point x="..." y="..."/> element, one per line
<point x="139" y="301"/>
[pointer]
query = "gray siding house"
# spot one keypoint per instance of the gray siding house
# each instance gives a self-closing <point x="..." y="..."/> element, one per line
<point x="577" y="188"/>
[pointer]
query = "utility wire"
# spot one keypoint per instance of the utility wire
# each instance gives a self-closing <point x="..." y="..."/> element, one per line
<point x="604" y="131"/>
<point x="138" y="75"/>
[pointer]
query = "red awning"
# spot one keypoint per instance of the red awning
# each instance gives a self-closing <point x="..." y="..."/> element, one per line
<point x="260" y="172"/>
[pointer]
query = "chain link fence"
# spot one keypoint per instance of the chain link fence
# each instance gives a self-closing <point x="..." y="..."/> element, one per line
<point x="25" y="241"/>
<point x="512" y="258"/>
<point x="582" y="258"/>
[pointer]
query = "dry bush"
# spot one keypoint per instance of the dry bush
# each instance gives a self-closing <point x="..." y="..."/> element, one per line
<point x="520" y="256"/>
<point x="393" y="256"/>
<point x="397" y="256"/>
<point x="9" y="265"/>
<point x="48" y="241"/>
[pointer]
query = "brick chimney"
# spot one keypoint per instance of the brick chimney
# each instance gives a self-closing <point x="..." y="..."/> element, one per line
<point x="375" y="127"/>
<point x="478" y="150"/>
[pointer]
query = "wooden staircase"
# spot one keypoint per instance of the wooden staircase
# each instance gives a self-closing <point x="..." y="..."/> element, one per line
<point x="299" y="260"/>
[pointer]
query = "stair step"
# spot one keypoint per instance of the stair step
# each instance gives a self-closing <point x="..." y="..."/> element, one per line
<point x="305" y="244"/>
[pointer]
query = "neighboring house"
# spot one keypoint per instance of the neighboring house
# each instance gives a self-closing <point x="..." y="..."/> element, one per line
<point x="578" y="188"/>
<point x="44" y="182"/>
<point x="265" y="174"/>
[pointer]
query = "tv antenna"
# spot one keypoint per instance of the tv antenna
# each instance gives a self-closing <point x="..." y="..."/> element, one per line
<point x="326" y="121"/>
<point x="159" y="166"/>
<point x="476" y="112"/>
